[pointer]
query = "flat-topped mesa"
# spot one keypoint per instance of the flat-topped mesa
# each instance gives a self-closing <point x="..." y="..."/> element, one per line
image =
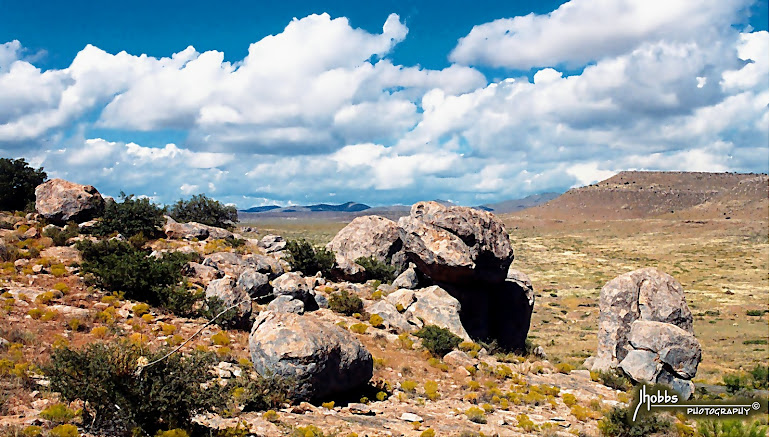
<point x="456" y="244"/>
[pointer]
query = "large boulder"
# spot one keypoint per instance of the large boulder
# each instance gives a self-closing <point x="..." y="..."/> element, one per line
<point x="434" y="306"/>
<point x="318" y="358"/>
<point x="646" y="294"/>
<point x="456" y="244"/>
<point x="364" y="237"/>
<point x="229" y="295"/>
<point x="61" y="201"/>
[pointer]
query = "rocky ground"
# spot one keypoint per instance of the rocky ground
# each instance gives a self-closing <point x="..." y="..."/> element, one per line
<point x="456" y="275"/>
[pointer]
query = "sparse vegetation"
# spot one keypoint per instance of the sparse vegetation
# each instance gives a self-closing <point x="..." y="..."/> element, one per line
<point x="439" y="341"/>
<point x="618" y="423"/>
<point x="17" y="184"/>
<point x="305" y="258"/>
<point x="117" y="266"/>
<point x="377" y="270"/>
<point x="202" y="209"/>
<point x="346" y="303"/>
<point x="105" y="376"/>
<point x="129" y="217"/>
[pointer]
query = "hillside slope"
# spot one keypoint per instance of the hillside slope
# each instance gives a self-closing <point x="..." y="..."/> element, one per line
<point x="686" y="195"/>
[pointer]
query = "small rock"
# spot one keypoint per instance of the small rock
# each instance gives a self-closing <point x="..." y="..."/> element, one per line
<point x="360" y="409"/>
<point x="458" y="359"/>
<point x="411" y="417"/>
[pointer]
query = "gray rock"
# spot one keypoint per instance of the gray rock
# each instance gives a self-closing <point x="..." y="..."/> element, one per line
<point x="286" y="304"/>
<point x="673" y="346"/>
<point x="360" y="409"/>
<point x="4" y="343"/>
<point x="228" y="294"/>
<point x="293" y="284"/>
<point x="320" y="300"/>
<point x="185" y="231"/>
<point x="61" y="201"/>
<point x="642" y="366"/>
<point x="456" y="244"/>
<point x="272" y="243"/>
<point x="392" y="319"/>
<point x="407" y="279"/>
<point x="403" y="298"/>
<point x="366" y="236"/>
<point x="684" y="386"/>
<point x="645" y="294"/>
<point x="255" y="284"/>
<point x="319" y="358"/>
<point x="201" y="274"/>
<point x="458" y="359"/>
<point x="434" y="306"/>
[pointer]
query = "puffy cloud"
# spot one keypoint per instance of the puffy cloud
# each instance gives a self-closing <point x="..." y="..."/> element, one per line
<point x="319" y="112"/>
<point x="582" y="31"/>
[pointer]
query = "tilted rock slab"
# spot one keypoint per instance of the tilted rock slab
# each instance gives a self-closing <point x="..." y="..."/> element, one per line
<point x="61" y="201"/>
<point x="456" y="244"/>
<point x="319" y="358"/>
<point x="226" y="291"/>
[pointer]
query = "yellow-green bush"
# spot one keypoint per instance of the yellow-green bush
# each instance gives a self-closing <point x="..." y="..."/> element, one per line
<point x="64" y="431"/>
<point x="569" y="399"/>
<point x="431" y="390"/>
<point x="564" y="368"/>
<point x="272" y="415"/>
<point x="61" y="287"/>
<point x="358" y="328"/>
<point x="476" y="415"/>
<point x="220" y="339"/>
<point x="176" y="432"/>
<point x="376" y="321"/>
<point x="140" y="309"/>
<point x="408" y="385"/>
<point x="58" y="413"/>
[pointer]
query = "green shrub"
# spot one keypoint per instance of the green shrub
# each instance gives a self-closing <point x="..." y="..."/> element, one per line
<point x="17" y="184"/>
<point x="617" y="423"/>
<point x="60" y="236"/>
<point x="760" y="377"/>
<point x="117" y="266"/>
<point x="754" y="313"/>
<point x="308" y="260"/>
<point x="264" y="392"/>
<point x="129" y="217"/>
<point x="213" y="306"/>
<point x="202" y="209"/>
<point x="613" y="378"/>
<point x="757" y="378"/>
<point x="376" y="269"/>
<point x="345" y="303"/>
<point x="439" y="341"/>
<point x="104" y="375"/>
<point x="731" y="428"/>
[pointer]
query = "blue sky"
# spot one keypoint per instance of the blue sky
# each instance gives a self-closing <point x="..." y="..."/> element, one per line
<point x="393" y="102"/>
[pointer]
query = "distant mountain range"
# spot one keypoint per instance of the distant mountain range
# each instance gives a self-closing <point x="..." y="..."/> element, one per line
<point x="348" y="210"/>
<point x="321" y="207"/>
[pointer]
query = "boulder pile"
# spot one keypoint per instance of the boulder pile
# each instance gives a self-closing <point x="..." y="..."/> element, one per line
<point x="645" y="329"/>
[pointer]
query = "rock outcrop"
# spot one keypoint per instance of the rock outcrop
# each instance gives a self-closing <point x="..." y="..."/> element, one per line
<point x="319" y="359"/>
<point x="456" y="244"/>
<point x="645" y="329"/>
<point x="645" y="294"/>
<point x="61" y="201"/>
<point x="434" y="306"/>
<point x="364" y="237"/>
